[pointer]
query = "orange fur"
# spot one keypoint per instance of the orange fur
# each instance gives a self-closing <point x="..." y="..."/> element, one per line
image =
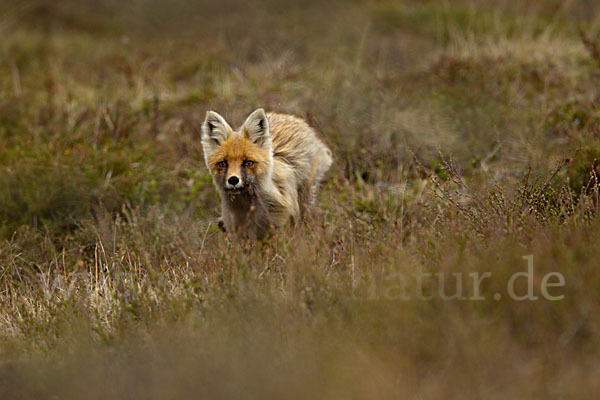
<point x="235" y="150"/>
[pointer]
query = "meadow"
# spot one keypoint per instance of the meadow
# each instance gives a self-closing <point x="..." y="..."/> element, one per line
<point x="466" y="136"/>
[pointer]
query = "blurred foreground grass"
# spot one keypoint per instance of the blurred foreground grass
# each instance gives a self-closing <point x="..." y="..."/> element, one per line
<point x="466" y="137"/>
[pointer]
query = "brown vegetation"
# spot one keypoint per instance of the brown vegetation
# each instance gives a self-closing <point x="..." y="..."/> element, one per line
<point x="465" y="137"/>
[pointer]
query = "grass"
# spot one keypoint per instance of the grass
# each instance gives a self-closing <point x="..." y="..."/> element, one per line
<point x="465" y="137"/>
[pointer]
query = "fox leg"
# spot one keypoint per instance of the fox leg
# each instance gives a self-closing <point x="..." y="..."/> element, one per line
<point x="305" y="199"/>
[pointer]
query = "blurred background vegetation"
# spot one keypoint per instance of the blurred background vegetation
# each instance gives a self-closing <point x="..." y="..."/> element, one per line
<point x="466" y="135"/>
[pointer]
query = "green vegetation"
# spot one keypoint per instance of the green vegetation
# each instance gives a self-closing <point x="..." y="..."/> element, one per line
<point x="466" y="137"/>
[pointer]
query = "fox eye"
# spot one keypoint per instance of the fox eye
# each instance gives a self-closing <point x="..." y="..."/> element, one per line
<point x="248" y="163"/>
<point x="222" y="164"/>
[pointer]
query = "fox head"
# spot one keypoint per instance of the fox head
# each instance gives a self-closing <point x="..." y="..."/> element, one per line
<point x="238" y="160"/>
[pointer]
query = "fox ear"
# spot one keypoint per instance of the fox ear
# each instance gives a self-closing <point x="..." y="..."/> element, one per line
<point x="214" y="129"/>
<point x="256" y="127"/>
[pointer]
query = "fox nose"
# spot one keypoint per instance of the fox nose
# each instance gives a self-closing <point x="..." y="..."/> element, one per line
<point x="233" y="180"/>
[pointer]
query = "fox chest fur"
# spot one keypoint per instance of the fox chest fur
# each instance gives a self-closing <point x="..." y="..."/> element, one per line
<point x="266" y="172"/>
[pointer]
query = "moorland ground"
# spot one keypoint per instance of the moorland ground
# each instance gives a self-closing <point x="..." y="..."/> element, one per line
<point x="466" y="136"/>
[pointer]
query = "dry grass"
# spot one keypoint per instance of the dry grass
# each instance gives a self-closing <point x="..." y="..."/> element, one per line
<point x="465" y="137"/>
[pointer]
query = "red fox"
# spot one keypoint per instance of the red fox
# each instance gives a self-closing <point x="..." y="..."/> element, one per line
<point x="266" y="172"/>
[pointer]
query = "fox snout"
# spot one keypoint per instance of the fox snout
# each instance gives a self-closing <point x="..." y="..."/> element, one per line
<point x="234" y="182"/>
